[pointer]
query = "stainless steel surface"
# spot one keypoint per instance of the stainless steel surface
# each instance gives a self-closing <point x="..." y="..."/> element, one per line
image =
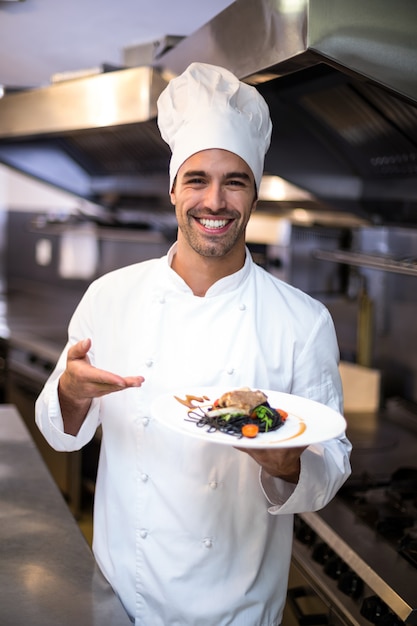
<point x="34" y="321"/>
<point x="340" y="79"/>
<point x="382" y="260"/>
<point x="29" y="363"/>
<point x="372" y="261"/>
<point x="309" y="273"/>
<point x="108" y="99"/>
<point x="361" y="528"/>
<point x="261" y="39"/>
<point x="126" y="151"/>
<point x="380" y="446"/>
<point x="48" y="575"/>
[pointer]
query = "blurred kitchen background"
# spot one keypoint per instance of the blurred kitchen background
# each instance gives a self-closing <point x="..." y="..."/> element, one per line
<point x="84" y="190"/>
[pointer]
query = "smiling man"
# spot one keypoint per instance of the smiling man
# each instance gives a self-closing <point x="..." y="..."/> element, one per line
<point x="214" y="196"/>
<point x="189" y="532"/>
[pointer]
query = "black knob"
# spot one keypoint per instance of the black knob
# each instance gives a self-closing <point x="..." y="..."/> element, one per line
<point x="373" y="609"/>
<point x="389" y="619"/>
<point x="335" y="567"/>
<point x="322" y="553"/>
<point x="350" y="583"/>
<point x="303" y="532"/>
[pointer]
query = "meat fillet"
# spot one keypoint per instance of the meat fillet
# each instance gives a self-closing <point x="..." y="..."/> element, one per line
<point x="244" y="399"/>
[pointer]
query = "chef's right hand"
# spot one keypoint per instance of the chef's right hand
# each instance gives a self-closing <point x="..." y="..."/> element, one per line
<point x="81" y="382"/>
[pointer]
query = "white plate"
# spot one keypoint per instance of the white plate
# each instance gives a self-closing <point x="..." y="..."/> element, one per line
<point x="307" y="422"/>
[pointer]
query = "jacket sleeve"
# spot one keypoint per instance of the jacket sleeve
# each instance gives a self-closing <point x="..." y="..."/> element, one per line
<point x="48" y="415"/>
<point x="324" y="466"/>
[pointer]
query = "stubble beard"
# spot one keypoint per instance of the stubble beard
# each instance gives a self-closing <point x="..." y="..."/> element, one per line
<point x="210" y="247"/>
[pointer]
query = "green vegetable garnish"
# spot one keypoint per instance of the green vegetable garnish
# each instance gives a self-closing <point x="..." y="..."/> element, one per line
<point x="264" y="414"/>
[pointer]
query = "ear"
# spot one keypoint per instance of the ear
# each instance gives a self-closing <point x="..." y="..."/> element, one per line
<point x="172" y="192"/>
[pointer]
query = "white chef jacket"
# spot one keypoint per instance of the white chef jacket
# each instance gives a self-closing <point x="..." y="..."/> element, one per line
<point x="191" y="533"/>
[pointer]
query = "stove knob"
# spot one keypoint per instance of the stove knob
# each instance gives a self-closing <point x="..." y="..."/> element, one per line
<point x="373" y="609"/>
<point x="303" y="532"/>
<point x="335" y="567"/>
<point x="351" y="584"/>
<point x="322" y="553"/>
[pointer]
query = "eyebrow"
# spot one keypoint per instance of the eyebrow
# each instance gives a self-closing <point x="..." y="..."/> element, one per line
<point x="242" y="175"/>
<point x="192" y="173"/>
<point x="228" y="176"/>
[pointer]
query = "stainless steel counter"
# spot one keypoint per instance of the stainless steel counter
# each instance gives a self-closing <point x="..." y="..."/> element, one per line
<point x="48" y="576"/>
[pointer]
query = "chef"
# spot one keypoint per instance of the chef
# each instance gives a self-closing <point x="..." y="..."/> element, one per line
<point x="190" y="532"/>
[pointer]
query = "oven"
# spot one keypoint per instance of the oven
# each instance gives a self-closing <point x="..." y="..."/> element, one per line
<point x="357" y="558"/>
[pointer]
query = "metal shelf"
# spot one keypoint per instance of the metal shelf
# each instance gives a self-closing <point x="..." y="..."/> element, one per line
<point x="373" y="261"/>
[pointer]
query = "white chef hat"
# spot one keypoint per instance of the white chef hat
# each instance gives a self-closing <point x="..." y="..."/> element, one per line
<point x="208" y="107"/>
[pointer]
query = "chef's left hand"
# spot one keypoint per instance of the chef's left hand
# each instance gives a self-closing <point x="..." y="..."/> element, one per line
<point x="282" y="463"/>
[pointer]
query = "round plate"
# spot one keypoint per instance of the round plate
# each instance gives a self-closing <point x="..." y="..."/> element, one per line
<point x="307" y="422"/>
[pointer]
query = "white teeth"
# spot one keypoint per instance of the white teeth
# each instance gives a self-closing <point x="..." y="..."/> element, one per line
<point x="213" y="223"/>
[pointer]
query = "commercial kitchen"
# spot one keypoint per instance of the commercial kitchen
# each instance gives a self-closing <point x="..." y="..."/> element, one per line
<point x="337" y="217"/>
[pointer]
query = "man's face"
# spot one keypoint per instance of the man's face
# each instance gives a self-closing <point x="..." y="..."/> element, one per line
<point x="214" y="196"/>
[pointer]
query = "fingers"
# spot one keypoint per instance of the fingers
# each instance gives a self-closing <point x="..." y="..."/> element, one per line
<point x="97" y="382"/>
<point x="107" y="382"/>
<point x="79" y="350"/>
<point x="84" y="380"/>
<point x="134" y="381"/>
<point x="280" y="462"/>
<point x="80" y="382"/>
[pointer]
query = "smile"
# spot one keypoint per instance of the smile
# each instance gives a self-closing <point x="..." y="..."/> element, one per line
<point x="213" y="224"/>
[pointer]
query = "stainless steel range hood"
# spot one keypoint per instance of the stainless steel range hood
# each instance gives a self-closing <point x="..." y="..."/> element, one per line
<point x="95" y="136"/>
<point x="264" y="39"/>
<point x="340" y="79"/>
<point x="341" y="82"/>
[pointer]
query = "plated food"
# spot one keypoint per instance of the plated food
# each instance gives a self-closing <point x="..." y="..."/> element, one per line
<point x="303" y="421"/>
<point x="241" y="413"/>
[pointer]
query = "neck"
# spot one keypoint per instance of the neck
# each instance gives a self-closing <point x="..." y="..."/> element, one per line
<point x="200" y="272"/>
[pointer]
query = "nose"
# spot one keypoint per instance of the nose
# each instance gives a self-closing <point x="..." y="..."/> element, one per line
<point x="215" y="197"/>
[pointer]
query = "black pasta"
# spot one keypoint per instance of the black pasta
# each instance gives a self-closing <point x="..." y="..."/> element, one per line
<point x="264" y="417"/>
